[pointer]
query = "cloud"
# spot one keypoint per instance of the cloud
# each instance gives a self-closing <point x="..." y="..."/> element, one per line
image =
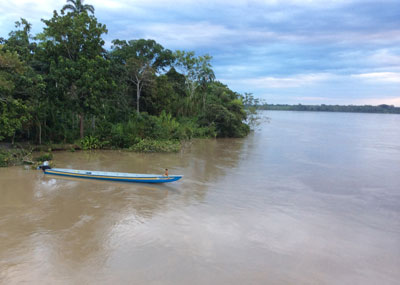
<point x="326" y="4"/>
<point x="185" y="34"/>
<point x="295" y="81"/>
<point x="322" y="88"/>
<point x="12" y="11"/>
<point x="378" y="101"/>
<point x="109" y="4"/>
<point x="385" y="57"/>
<point x="242" y="23"/>
<point x="313" y="99"/>
<point x="379" y="77"/>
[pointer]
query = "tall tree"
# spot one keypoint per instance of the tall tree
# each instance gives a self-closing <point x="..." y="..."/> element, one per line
<point x="13" y="111"/>
<point x="205" y="75"/>
<point x="29" y="85"/>
<point x="142" y="59"/>
<point x="185" y="64"/>
<point x="198" y="73"/>
<point x="74" y="47"/>
<point x="140" y="73"/>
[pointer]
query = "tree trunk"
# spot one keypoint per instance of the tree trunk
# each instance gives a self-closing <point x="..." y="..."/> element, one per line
<point x="137" y="98"/>
<point x="45" y="126"/>
<point x="81" y="118"/>
<point x="40" y="133"/>
<point x="93" y="122"/>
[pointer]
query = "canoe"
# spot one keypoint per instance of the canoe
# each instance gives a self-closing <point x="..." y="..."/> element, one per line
<point x="113" y="176"/>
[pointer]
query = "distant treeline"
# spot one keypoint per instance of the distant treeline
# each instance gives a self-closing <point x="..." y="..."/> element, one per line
<point x="390" y="109"/>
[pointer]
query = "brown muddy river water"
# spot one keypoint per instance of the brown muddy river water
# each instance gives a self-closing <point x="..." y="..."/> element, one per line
<point x="309" y="198"/>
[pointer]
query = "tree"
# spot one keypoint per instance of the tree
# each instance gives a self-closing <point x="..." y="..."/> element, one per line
<point x="29" y="85"/>
<point x="142" y="59"/>
<point x="13" y="112"/>
<point x="139" y="73"/>
<point x="74" y="47"/>
<point x="77" y="7"/>
<point x="198" y="73"/>
<point x="19" y="41"/>
<point x="251" y="105"/>
<point x="10" y="67"/>
<point x="185" y="64"/>
<point x="167" y="94"/>
<point x="225" y="112"/>
<point x="205" y="75"/>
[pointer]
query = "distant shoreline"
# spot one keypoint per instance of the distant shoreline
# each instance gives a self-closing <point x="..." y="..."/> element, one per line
<point x="380" y="109"/>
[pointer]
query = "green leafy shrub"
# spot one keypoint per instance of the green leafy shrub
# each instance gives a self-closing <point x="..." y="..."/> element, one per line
<point x="148" y="145"/>
<point x="122" y="135"/>
<point x="4" y="159"/>
<point x="191" y="129"/>
<point x="227" y="121"/>
<point x="90" y="142"/>
<point x="141" y="126"/>
<point x="44" y="157"/>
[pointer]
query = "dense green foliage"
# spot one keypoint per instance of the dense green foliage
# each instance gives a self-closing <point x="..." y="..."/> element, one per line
<point x="63" y="86"/>
<point x="333" y="108"/>
<point x="44" y="157"/>
<point x="146" y="145"/>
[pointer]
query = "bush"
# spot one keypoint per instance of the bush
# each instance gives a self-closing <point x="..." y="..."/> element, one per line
<point x="4" y="159"/>
<point x="137" y="127"/>
<point x="144" y="126"/>
<point x="227" y="122"/>
<point x="148" y="145"/>
<point x="44" y="157"/>
<point x="118" y="136"/>
<point x="90" y="142"/>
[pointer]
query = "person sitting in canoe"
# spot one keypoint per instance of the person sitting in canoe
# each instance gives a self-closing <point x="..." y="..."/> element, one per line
<point x="166" y="172"/>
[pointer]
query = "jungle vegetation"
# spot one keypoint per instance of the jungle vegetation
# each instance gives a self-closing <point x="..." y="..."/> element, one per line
<point x="63" y="86"/>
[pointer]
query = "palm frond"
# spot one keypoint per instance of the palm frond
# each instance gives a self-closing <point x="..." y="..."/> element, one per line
<point x="70" y="7"/>
<point x="73" y="2"/>
<point x="89" y="8"/>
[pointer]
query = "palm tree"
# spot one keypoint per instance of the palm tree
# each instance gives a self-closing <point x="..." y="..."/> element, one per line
<point x="78" y="7"/>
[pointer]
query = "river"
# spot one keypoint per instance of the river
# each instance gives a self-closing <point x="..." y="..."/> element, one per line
<point x="308" y="198"/>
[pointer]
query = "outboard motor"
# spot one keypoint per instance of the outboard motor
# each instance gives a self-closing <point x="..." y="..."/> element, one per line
<point x="44" y="166"/>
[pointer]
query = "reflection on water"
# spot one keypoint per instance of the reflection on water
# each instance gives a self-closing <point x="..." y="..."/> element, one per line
<point x="311" y="198"/>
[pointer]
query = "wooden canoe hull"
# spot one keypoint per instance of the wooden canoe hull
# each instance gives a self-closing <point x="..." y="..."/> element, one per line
<point x="113" y="176"/>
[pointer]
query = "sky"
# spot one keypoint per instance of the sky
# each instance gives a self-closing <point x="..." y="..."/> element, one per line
<point x="283" y="52"/>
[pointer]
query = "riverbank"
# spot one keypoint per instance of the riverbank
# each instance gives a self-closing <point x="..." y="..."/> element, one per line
<point x="25" y="153"/>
